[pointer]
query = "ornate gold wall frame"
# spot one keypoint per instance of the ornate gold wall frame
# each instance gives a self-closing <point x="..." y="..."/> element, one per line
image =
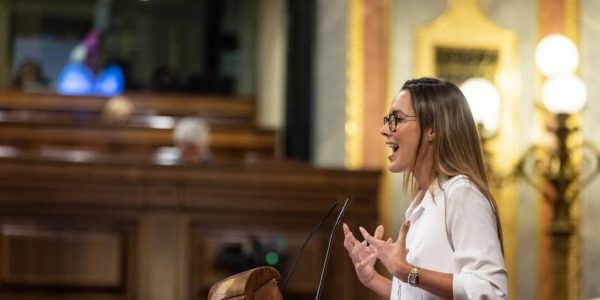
<point x="463" y="43"/>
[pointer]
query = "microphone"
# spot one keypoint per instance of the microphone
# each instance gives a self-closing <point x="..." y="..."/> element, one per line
<point x="301" y="250"/>
<point x="327" y="254"/>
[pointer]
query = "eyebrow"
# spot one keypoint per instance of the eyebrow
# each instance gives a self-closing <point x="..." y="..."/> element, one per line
<point x="398" y="111"/>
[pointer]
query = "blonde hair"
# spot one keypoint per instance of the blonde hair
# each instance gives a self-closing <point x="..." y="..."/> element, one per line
<point x="441" y="106"/>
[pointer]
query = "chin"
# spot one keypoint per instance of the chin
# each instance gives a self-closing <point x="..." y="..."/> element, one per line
<point x="396" y="169"/>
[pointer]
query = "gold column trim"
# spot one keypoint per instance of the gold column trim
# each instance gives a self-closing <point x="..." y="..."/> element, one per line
<point x="354" y="86"/>
<point x="572" y="20"/>
<point x="572" y="30"/>
<point x="386" y="207"/>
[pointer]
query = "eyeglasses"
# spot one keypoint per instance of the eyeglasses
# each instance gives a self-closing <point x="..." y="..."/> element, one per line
<point x="393" y="119"/>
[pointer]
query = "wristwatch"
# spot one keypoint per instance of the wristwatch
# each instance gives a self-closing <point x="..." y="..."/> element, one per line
<point x="413" y="276"/>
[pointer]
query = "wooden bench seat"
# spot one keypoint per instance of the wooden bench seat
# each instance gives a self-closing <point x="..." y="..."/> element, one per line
<point x="226" y="141"/>
<point x="144" y="103"/>
<point x="38" y="121"/>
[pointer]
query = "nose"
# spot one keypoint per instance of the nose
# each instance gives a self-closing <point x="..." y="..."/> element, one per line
<point x="385" y="130"/>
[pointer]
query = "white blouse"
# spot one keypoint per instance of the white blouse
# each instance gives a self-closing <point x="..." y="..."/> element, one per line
<point x="453" y="230"/>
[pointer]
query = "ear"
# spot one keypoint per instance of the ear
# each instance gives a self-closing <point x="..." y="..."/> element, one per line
<point x="430" y="134"/>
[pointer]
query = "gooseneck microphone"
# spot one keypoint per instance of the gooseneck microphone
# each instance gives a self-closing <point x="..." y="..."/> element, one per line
<point x="301" y="250"/>
<point x="327" y="254"/>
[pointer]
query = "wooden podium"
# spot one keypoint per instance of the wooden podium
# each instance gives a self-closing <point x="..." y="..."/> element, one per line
<point x="255" y="284"/>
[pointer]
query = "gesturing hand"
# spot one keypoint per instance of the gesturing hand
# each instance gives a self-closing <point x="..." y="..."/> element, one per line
<point x="391" y="254"/>
<point x="362" y="256"/>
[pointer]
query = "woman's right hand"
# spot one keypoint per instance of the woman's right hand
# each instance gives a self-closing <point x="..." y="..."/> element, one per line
<point x="362" y="256"/>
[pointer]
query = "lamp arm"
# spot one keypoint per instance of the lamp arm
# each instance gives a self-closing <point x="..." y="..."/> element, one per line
<point x="596" y="171"/>
<point x="519" y="170"/>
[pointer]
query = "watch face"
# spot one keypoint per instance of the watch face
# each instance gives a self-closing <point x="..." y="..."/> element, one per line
<point x="413" y="277"/>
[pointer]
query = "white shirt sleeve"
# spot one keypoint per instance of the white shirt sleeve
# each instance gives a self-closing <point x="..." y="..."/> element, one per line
<point x="472" y="228"/>
<point x="395" y="294"/>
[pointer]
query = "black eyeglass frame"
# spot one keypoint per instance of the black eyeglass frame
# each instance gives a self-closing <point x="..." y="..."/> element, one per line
<point x="394" y="118"/>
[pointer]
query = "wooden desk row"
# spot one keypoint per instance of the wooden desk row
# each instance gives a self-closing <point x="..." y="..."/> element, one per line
<point x="36" y="134"/>
<point x="89" y="211"/>
<point x="40" y="121"/>
<point x="144" y="103"/>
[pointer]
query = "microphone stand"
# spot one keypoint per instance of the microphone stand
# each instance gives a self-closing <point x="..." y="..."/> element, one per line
<point x="301" y="250"/>
<point x="328" y="253"/>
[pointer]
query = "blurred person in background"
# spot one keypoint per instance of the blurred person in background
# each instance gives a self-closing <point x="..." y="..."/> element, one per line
<point x="192" y="139"/>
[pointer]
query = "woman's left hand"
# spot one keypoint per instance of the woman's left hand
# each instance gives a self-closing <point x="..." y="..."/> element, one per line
<point x="391" y="254"/>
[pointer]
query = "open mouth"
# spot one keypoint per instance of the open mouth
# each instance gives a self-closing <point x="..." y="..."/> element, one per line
<point x="393" y="146"/>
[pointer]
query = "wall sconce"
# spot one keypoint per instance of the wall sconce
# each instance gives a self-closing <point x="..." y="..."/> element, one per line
<point x="484" y="100"/>
<point x="563" y="96"/>
<point x="554" y="170"/>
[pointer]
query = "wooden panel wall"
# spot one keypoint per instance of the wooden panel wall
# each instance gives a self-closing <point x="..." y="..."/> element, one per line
<point x="135" y="230"/>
